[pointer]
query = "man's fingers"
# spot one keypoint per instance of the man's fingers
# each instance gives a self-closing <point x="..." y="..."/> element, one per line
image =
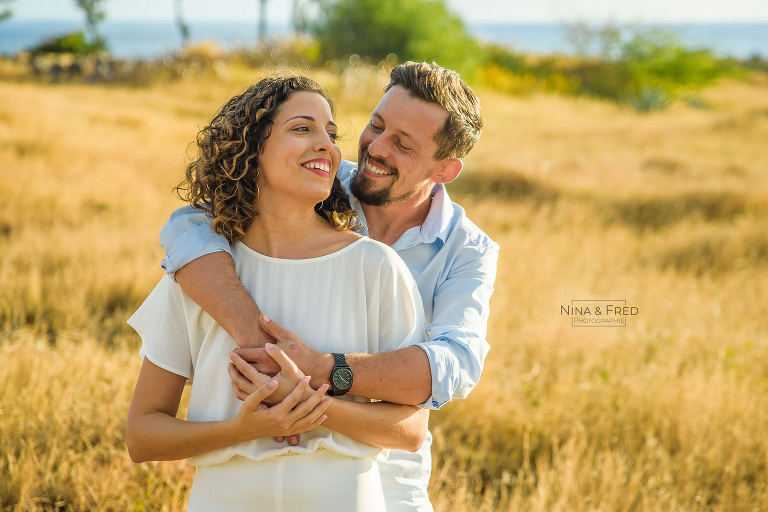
<point x="287" y="366"/>
<point x="253" y="355"/>
<point x="271" y="368"/>
<point x="262" y="392"/>
<point x="273" y="328"/>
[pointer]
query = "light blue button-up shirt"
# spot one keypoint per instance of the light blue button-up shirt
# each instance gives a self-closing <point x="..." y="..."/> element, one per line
<point x="451" y="259"/>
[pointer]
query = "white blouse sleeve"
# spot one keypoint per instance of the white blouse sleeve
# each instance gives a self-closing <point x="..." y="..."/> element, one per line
<point x="401" y="312"/>
<point x="161" y="323"/>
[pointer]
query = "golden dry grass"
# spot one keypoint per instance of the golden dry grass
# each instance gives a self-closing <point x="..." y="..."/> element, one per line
<point x="588" y="200"/>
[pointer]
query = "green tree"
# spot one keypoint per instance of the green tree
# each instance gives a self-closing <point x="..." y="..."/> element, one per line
<point x="94" y="14"/>
<point x="411" y="29"/>
<point x="5" y="11"/>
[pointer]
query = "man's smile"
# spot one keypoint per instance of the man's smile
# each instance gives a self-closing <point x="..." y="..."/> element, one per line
<point x="375" y="168"/>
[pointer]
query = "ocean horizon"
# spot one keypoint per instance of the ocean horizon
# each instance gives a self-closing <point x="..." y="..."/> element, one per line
<point x="146" y="40"/>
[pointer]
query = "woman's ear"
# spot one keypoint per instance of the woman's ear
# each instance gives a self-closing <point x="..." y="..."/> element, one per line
<point x="449" y="172"/>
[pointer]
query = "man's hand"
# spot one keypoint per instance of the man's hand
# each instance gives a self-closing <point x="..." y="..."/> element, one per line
<point x="310" y="361"/>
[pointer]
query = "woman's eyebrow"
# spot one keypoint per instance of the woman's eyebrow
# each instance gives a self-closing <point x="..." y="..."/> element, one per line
<point x="310" y="118"/>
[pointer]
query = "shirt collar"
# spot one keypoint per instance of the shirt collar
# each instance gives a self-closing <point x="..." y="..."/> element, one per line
<point x="436" y="225"/>
<point x="438" y="221"/>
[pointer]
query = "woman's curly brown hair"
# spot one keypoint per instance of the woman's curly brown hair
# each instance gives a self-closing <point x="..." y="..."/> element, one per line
<point x="222" y="179"/>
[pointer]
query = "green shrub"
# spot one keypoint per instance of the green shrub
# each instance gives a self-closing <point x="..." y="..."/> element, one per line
<point x="75" y="43"/>
<point x="646" y="68"/>
<point x="421" y="30"/>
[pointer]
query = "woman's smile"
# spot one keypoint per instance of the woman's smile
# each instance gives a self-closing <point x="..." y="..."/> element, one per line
<point x="319" y="166"/>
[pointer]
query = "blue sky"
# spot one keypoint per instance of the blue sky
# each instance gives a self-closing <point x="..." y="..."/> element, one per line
<point x="472" y="11"/>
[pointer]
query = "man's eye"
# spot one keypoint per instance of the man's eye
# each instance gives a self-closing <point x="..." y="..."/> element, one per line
<point x="374" y="127"/>
<point x="401" y="146"/>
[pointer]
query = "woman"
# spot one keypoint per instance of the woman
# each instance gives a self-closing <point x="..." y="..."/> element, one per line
<point x="266" y="173"/>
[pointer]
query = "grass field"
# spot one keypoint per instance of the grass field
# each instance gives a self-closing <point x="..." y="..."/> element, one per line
<point x="588" y="200"/>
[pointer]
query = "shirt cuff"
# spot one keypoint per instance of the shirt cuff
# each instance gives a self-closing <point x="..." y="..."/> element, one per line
<point x="440" y="394"/>
<point x="193" y="244"/>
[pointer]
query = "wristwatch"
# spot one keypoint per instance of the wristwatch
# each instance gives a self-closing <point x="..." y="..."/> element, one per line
<point x="341" y="376"/>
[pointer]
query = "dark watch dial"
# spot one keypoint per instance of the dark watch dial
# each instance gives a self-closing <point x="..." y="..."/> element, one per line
<point x="342" y="378"/>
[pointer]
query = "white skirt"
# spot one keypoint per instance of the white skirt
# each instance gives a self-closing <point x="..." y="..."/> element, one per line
<point x="319" y="481"/>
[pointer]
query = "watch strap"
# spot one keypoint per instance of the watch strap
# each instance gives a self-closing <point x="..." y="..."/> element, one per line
<point x="339" y="360"/>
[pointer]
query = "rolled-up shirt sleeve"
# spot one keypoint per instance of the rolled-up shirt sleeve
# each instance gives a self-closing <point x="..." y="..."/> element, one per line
<point x="188" y="235"/>
<point x="457" y="346"/>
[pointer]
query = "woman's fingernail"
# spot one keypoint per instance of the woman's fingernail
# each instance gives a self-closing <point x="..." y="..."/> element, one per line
<point x="269" y="346"/>
<point x="266" y="318"/>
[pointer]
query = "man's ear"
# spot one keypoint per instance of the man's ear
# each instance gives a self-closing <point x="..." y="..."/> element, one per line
<point x="449" y="172"/>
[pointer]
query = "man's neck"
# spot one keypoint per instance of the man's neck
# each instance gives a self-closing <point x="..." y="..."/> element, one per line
<point x="386" y="224"/>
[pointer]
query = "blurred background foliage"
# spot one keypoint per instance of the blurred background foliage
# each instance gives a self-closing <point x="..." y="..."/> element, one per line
<point x="646" y="69"/>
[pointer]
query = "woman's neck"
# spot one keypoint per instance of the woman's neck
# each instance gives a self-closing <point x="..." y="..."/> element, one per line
<point x="280" y="233"/>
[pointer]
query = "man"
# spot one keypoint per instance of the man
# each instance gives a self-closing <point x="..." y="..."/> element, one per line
<point x="426" y="122"/>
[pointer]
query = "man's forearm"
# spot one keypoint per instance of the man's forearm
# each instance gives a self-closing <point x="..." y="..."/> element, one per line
<point x="402" y="376"/>
<point x="211" y="281"/>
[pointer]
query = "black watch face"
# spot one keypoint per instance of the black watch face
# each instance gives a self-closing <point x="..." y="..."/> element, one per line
<point x="342" y="379"/>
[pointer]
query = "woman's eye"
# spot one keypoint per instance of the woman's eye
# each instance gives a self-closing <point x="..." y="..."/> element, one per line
<point x="302" y="129"/>
<point x="374" y="127"/>
<point x="333" y="136"/>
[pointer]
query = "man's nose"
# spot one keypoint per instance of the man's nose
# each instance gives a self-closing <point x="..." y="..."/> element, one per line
<point x="379" y="147"/>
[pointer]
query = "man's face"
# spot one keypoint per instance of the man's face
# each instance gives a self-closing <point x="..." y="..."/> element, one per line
<point x="395" y="159"/>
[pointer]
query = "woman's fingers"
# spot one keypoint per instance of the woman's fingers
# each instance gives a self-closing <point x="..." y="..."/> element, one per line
<point x="293" y="398"/>
<point x="254" y="399"/>
<point x="239" y="393"/>
<point x="287" y="366"/>
<point x="308" y="405"/>
<point x="310" y="420"/>
<point x="247" y="370"/>
<point x="240" y="383"/>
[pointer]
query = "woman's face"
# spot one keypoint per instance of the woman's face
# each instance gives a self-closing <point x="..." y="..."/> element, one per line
<point x="300" y="156"/>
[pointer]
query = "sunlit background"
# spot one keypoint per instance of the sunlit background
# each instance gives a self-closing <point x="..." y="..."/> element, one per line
<point x="623" y="159"/>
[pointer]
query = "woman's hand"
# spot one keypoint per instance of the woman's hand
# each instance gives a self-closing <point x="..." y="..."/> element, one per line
<point x="245" y="378"/>
<point x="291" y="416"/>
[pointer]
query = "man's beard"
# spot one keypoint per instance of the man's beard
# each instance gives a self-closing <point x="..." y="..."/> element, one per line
<point x="361" y="185"/>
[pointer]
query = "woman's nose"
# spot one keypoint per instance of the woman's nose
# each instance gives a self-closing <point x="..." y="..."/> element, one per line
<point x="324" y="142"/>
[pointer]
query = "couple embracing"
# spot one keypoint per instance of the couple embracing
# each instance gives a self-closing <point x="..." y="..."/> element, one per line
<point x="319" y="308"/>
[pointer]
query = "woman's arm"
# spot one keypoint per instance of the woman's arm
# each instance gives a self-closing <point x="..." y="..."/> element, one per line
<point x="382" y="424"/>
<point x="154" y="433"/>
